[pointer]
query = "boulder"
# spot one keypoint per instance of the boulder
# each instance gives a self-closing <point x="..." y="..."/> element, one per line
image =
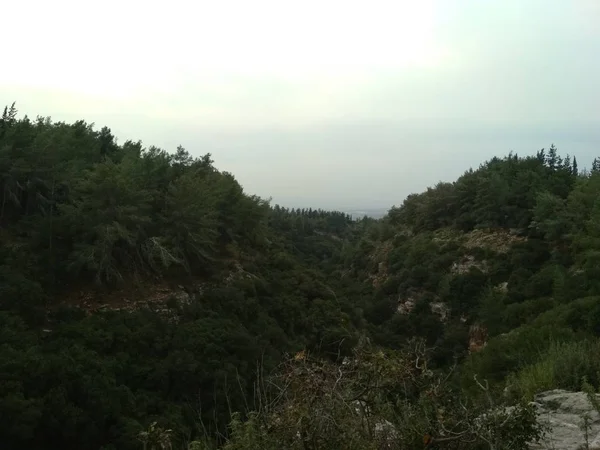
<point x="563" y="412"/>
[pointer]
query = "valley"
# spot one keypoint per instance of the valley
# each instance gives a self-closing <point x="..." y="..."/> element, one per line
<point x="148" y="301"/>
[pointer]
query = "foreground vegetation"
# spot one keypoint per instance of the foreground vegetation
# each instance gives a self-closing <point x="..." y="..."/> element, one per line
<point x="279" y="328"/>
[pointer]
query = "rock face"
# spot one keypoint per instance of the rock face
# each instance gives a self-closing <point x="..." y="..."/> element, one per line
<point x="477" y="338"/>
<point x="465" y="264"/>
<point x="379" y="257"/>
<point x="563" y="412"/>
<point x="494" y="239"/>
<point x="405" y="306"/>
<point x="441" y="309"/>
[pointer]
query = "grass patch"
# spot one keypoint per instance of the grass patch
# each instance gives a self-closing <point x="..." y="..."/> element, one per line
<point x="562" y="366"/>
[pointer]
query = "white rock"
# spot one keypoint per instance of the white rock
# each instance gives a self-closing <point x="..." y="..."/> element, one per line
<point x="564" y="412"/>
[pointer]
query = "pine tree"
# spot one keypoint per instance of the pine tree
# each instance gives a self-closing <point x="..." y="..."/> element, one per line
<point x="566" y="164"/>
<point x="541" y="155"/>
<point x="552" y="157"/>
<point x="9" y="118"/>
<point x="107" y="143"/>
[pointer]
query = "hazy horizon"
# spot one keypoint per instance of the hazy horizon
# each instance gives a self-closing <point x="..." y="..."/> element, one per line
<point x="335" y="105"/>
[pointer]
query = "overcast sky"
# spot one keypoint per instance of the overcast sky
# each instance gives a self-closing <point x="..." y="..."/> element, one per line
<point x="322" y="103"/>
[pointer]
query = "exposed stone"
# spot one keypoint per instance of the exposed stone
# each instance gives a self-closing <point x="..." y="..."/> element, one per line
<point x="477" y="338"/>
<point x="445" y="235"/>
<point x="563" y="412"/>
<point x="380" y="257"/>
<point x="182" y="297"/>
<point x="132" y="297"/>
<point x="498" y="240"/>
<point x="441" y="309"/>
<point x="404" y="232"/>
<point x="467" y="263"/>
<point x="238" y="272"/>
<point x="405" y="306"/>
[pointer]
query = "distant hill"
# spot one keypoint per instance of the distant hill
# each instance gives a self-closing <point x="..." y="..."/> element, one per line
<point x="376" y="213"/>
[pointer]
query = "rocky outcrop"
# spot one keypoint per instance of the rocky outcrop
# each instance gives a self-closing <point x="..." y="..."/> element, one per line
<point x="157" y="295"/>
<point x="465" y="264"/>
<point x="498" y="240"/>
<point x="405" y="306"/>
<point x="379" y="258"/>
<point x="441" y="309"/>
<point x="237" y="272"/>
<point x="564" y="413"/>
<point x="477" y="338"/>
<point x="132" y="297"/>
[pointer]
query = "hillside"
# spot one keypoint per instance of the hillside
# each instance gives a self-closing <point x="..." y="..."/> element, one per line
<point x="140" y="287"/>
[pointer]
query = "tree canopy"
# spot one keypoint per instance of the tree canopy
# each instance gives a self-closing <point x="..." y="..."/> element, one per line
<point x="148" y="301"/>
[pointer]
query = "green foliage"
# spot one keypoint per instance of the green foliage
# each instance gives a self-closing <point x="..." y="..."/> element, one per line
<point x="79" y="212"/>
<point x="562" y="365"/>
<point x="376" y="400"/>
<point x="511" y="249"/>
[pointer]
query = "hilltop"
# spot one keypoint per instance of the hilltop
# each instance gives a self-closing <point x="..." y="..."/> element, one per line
<point x="143" y="291"/>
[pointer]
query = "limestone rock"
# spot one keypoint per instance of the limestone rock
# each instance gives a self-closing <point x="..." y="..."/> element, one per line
<point x="465" y="264"/>
<point x="405" y="306"/>
<point x="441" y="309"/>
<point x="498" y="240"/>
<point x="563" y="412"/>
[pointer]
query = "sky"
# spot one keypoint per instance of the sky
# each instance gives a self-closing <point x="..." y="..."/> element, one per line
<point x="327" y="104"/>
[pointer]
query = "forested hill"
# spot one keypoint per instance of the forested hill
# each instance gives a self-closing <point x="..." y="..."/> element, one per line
<point x="147" y="301"/>
<point x="138" y="285"/>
